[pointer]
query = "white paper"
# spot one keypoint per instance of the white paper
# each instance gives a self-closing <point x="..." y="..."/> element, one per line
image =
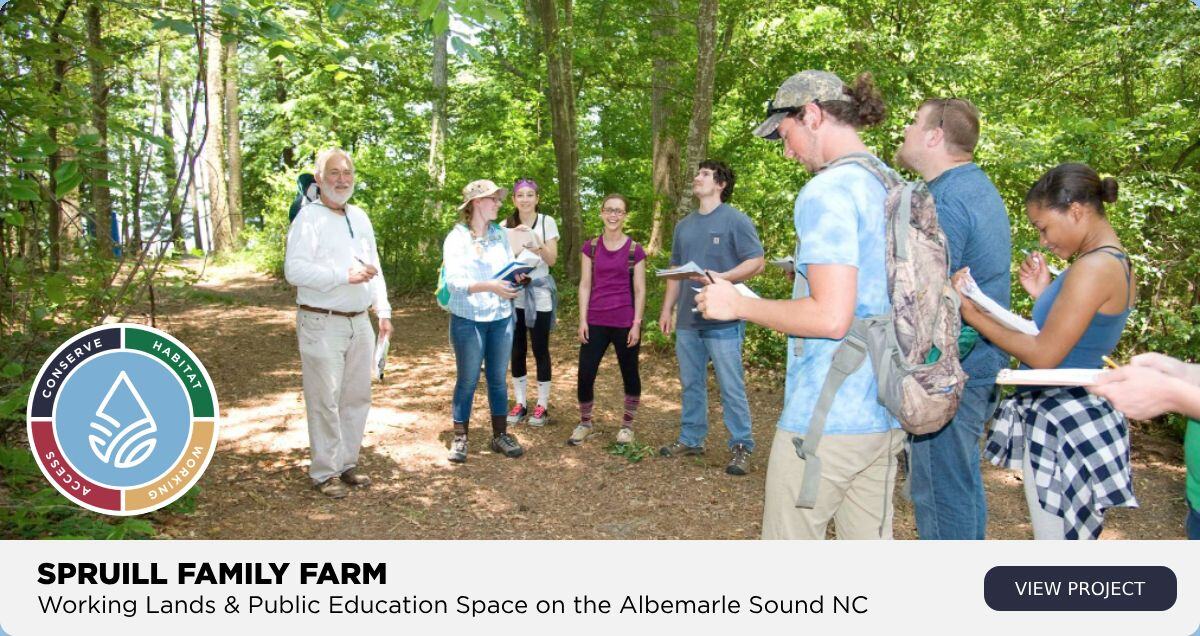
<point x="745" y="291"/>
<point x="993" y="309"/>
<point x="381" y="352"/>
<point x="1049" y="377"/>
<point x="787" y="264"/>
<point x="685" y="271"/>
<point x="524" y="263"/>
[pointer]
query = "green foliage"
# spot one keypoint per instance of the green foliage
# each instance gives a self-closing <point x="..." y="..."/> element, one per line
<point x="633" y="451"/>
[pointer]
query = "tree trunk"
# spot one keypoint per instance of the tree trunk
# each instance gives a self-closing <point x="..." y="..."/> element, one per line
<point x="214" y="152"/>
<point x="135" y="204"/>
<point x="557" y="45"/>
<point x="281" y="95"/>
<point x="702" y="101"/>
<point x="169" y="168"/>
<point x="233" y="147"/>
<point x="101" y="198"/>
<point x="193" y="194"/>
<point x="665" y="149"/>
<point x="436" y="167"/>
<point x="54" y="206"/>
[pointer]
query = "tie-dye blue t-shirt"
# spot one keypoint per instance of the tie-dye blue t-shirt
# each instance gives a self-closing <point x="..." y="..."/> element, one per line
<point x="839" y="220"/>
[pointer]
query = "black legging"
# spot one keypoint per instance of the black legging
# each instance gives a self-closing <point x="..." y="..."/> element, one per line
<point x="541" y="345"/>
<point x="592" y="353"/>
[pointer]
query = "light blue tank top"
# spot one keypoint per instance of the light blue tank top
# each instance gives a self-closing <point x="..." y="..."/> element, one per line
<point x="1102" y="333"/>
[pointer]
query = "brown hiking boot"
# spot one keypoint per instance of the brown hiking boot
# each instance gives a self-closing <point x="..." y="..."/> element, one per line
<point x="354" y="478"/>
<point x="332" y="488"/>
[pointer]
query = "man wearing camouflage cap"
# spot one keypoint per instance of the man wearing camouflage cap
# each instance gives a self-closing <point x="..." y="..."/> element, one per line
<point x="841" y="275"/>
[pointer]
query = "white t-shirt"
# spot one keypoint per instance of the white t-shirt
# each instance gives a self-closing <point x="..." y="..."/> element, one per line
<point x="544" y="229"/>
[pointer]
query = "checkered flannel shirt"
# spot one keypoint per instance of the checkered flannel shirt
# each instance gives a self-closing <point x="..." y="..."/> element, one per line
<point x="1079" y="449"/>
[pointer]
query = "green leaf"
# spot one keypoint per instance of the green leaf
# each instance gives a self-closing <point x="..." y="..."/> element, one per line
<point x="427" y="8"/>
<point x="336" y="10"/>
<point x="230" y="10"/>
<point x="66" y="171"/>
<point x="441" y="21"/>
<point x="64" y="186"/>
<point x="11" y="370"/>
<point x="23" y="190"/>
<point x="15" y="218"/>
<point x="56" y="288"/>
<point x="87" y="140"/>
<point x="182" y="27"/>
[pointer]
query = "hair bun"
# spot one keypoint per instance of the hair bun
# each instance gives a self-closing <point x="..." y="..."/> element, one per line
<point x="867" y="100"/>
<point x="1108" y="189"/>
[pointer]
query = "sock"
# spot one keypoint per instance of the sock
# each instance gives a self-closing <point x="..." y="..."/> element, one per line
<point x="519" y="385"/>
<point x="631" y="406"/>
<point x="499" y="425"/>
<point x="460" y="429"/>
<point x="544" y="394"/>
<point x="585" y="413"/>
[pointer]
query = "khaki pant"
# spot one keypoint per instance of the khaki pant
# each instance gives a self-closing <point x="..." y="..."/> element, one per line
<point x="335" y="358"/>
<point x="858" y="477"/>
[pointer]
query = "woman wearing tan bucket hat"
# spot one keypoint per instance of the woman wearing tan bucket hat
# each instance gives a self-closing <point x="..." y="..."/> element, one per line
<point x="481" y="326"/>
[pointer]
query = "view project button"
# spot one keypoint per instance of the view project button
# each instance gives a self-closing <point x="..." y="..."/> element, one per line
<point x="1080" y="588"/>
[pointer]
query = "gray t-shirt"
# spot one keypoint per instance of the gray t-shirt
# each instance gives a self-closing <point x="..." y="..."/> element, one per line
<point x="720" y="241"/>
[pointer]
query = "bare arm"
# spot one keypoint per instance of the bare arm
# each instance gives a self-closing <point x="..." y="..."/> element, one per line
<point x="666" y="317"/>
<point x="745" y="270"/>
<point x="1090" y="285"/>
<point x="827" y="313"/>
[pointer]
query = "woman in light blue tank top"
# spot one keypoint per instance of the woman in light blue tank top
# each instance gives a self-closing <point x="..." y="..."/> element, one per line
<point x="1072" y="445"/>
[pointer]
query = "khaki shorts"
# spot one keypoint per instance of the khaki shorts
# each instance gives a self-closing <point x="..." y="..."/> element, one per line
<point x="858" y="477"/>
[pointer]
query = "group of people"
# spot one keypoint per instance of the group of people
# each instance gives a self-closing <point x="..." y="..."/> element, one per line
<point x="1072" y="443"/>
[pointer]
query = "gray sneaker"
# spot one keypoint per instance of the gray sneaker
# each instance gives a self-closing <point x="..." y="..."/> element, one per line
<point x="508" y="445"/>
<point x="739" y="463"/>
<point x="679" y="449"/>
<point x="458" y="449"/>
<point x="625" y="435"/>
<point x="580" y="434"/>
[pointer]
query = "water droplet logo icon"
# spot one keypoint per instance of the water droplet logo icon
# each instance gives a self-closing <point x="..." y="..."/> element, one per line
<point x="126" y="427"/>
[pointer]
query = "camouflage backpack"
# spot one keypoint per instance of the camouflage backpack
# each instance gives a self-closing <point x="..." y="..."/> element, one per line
<point x="913" y="349"/>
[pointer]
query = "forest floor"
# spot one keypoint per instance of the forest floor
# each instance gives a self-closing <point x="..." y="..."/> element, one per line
<point x="241" y="324"/>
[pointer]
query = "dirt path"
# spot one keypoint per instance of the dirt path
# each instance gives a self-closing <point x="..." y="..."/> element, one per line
<point x="241" y="324"/>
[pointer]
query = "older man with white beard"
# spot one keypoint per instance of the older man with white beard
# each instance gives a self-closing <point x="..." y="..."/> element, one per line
<point x="334" y="264"/>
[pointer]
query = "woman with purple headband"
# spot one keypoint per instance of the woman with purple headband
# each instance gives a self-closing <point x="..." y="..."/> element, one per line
<point x="536" y="306"/>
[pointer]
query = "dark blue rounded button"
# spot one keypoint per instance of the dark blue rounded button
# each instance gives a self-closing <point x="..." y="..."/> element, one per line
<point x="1115" y="588"/>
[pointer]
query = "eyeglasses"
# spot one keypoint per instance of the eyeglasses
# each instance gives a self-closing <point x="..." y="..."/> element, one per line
<point x="613" y="211"/>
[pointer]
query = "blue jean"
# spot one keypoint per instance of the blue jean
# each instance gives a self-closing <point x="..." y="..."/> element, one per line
<point x="944" y="474"/>
<point x="480" y="343"/>
<point x="1193" y="523"/>
<point x="723" y="346"/>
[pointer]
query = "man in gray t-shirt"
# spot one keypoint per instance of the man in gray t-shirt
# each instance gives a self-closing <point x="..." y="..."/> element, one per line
<point x="722" y="240"/>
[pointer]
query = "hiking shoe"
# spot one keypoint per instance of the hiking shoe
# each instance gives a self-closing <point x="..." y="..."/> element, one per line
<point x="625" y="435"/>
<point x="517" y="414"/>
<point x="739" y="463"/>
<point x="678" y="449"/>
<point x="354" y="478"/>
<point x="540" y="416"/>
<point x="581" y="432"/>
<point x="508" y="445"/>
<point x="332" y="488"/>
<point x="458" y="449"/>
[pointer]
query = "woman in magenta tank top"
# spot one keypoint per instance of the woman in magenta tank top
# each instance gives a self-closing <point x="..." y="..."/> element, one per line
<point x="1071" y="444"/>
<point x="612" y="297"/>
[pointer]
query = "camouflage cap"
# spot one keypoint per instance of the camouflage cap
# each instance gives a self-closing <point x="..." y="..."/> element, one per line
<point x="478" y="189"/>
<point x="796" y="91"/>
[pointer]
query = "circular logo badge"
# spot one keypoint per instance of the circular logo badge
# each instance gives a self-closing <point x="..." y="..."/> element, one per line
<point x="123" y="419"/>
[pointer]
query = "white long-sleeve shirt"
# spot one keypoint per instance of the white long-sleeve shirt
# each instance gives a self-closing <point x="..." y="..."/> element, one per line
<point x="322" y="246"/>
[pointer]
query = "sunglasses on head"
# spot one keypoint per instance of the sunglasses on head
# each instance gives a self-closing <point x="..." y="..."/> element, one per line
<point x="772" y="109"/>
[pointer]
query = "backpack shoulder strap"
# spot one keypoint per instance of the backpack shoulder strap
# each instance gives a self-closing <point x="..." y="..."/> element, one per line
<point x="847" y="359"/>
<point x="871" y="164"/>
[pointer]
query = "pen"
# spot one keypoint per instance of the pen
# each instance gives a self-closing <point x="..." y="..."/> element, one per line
<point x="1052" y="269"/>
<point x="710" y="278"/>
<point x="1108" y="362"/>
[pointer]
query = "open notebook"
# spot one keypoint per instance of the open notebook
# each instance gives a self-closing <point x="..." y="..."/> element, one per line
<point x="524" y="263"/>
<point x="993" y="309"/>
<point x="787" y="263"/>
<point x="1049" y="377"/>
<point x="683" y="272"/>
